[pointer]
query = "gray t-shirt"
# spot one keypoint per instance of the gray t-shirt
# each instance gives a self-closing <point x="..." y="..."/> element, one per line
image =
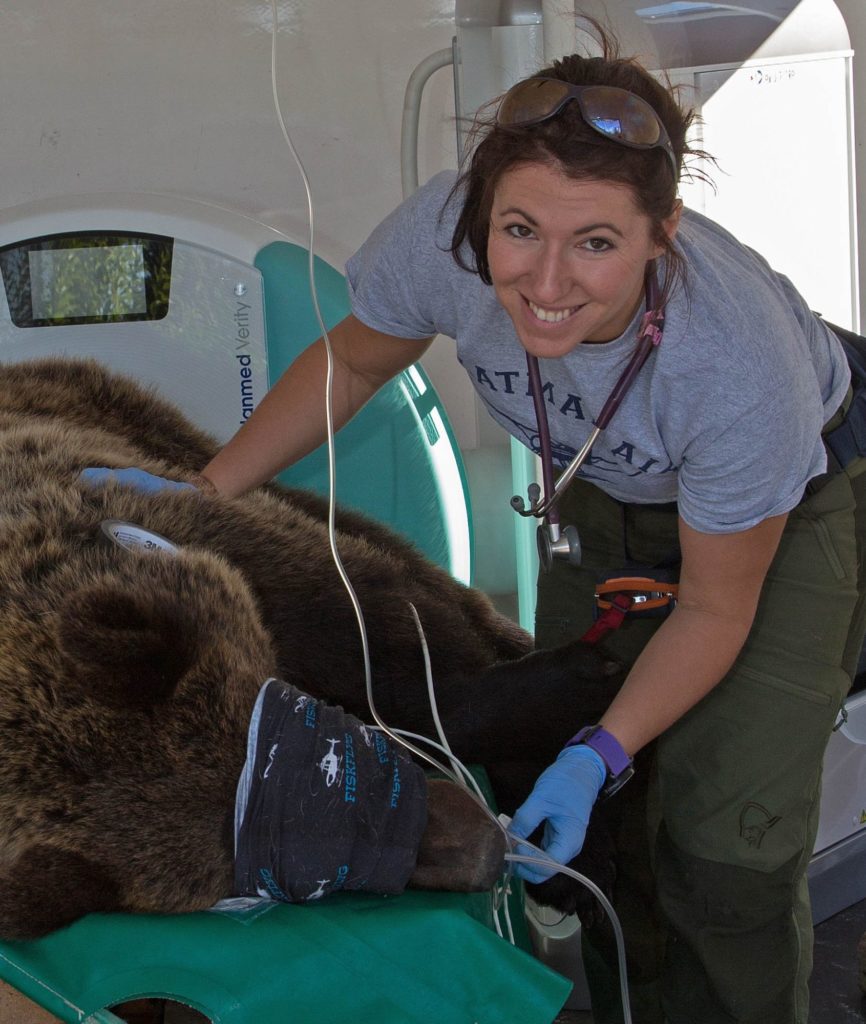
<point x="726" y="415"/>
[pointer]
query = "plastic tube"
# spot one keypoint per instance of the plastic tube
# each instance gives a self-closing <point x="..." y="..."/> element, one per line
<point x="423" y="71"/>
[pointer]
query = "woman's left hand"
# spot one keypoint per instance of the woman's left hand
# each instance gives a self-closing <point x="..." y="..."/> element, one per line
<point x="563" y="798"/>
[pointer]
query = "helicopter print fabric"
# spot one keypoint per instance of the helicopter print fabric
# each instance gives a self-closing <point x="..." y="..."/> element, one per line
<point x="325" y="803"/>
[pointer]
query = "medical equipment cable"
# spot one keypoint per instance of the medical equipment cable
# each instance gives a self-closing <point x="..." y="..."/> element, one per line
<point x="456" y="778"/>
<point x="329" y="411"/>
<point x="540" y="857"/>
<point x="461" y="773"/>
<point x="431" y="691"/>
<point x="500" y="895"/>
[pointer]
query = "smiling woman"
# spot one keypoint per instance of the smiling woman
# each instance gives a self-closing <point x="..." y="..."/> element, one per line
<point x="712" y="472"/>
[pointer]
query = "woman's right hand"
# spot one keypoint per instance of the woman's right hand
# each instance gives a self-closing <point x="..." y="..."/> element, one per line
<point x="138" y="479"/>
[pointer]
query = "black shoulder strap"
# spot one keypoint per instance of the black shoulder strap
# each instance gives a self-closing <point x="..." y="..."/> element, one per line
<point x="848" y="441"/>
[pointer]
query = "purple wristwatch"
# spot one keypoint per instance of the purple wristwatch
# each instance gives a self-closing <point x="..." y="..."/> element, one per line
<point x="619" y="765"/>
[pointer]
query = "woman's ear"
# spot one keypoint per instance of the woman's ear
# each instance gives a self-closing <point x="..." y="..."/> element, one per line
<point x="667" y="229"/>
<point x="670" y="225"/>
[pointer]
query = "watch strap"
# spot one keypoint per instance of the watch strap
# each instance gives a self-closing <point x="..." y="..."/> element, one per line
<point x="620" y="767"/>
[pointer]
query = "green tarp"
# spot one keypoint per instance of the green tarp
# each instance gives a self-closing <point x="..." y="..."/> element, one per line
<point x="420" y="957"/>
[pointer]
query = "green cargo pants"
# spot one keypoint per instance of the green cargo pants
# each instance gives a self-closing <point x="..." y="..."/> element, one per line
<point x="715" y="832"/>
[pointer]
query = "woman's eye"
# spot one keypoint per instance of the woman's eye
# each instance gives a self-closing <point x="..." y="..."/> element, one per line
<point x="519" y="231"/>
<point x="596" y="244"/>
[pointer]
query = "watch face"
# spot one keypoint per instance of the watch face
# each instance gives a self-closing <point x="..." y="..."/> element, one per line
<point x="616" y="782"/>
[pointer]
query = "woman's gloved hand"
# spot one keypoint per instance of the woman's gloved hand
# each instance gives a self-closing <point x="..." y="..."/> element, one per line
<point x="147" y="483"/>
<point x="563" y="798"/>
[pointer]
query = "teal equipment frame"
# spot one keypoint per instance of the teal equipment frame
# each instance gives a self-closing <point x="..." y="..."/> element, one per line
<point x="397" y="461"/>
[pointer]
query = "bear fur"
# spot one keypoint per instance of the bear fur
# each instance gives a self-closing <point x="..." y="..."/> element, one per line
<point x="127" y="678"/>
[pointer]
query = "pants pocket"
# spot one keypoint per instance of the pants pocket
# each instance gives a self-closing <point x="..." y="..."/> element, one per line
<point x="792" y="689"/>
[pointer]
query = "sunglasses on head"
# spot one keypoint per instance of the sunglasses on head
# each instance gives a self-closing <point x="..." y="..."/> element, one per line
<point x="617" y="114"/>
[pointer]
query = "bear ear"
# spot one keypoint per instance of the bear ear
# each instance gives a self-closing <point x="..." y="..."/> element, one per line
<point x="47" y="888"/>
<point x="127" y="645"/>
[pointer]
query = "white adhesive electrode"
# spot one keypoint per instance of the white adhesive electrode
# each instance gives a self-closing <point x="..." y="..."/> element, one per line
<point x="135" y="538"/>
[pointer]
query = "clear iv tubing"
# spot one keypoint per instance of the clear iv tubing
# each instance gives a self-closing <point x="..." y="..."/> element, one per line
<point x="540" y="857"/>
<point x="329" y="410"/>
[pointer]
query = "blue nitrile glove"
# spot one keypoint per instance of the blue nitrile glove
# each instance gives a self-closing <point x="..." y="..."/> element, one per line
<point x="563" y="798"/>
<point x="138" y="479"/>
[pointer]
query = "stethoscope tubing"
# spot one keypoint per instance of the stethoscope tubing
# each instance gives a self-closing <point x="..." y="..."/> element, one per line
<point x="649" y="337"/>
<point x="543" y="438"/>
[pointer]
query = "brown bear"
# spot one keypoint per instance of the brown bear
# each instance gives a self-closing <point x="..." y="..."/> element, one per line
<point x="128" y="677"/>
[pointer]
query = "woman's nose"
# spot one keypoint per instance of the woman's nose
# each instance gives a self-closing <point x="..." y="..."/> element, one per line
<point x="551" y="278"/>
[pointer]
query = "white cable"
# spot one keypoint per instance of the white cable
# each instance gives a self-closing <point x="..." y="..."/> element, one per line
<point x="431" y="696"/>
<point x="544" y="861"/>
<point x="541" y="858"/>
<point x="506" y="906"/>
<point x="460" y="773"/>
<point x="332" y="538"/>
<point x="329" y="383"/>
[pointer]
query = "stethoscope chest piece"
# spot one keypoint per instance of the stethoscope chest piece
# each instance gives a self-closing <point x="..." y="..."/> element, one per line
<point x="565" y="544"/>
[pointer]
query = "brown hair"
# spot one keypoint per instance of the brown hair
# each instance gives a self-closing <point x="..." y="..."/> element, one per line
<point x="580" y="152"/>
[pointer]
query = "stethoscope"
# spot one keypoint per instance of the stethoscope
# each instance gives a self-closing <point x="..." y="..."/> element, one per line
<point x="554" y="542"/>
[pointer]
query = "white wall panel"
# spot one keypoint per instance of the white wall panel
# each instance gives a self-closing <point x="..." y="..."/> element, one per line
<point x="176" y="98"/>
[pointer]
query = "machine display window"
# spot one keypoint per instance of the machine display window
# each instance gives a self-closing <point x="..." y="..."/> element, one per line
<point x="87" y="278"/>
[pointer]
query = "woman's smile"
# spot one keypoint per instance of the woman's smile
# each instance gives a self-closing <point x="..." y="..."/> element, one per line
<point x="551" y="316"/>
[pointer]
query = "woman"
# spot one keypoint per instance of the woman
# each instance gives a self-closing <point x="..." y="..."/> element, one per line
<point x="549" y="245"/>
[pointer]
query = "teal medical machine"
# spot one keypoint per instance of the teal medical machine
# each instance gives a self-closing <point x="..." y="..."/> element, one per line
<point x="209" y="308"/>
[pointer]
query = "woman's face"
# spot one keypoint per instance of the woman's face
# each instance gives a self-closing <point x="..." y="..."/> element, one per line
<point x="567" y="257"/>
